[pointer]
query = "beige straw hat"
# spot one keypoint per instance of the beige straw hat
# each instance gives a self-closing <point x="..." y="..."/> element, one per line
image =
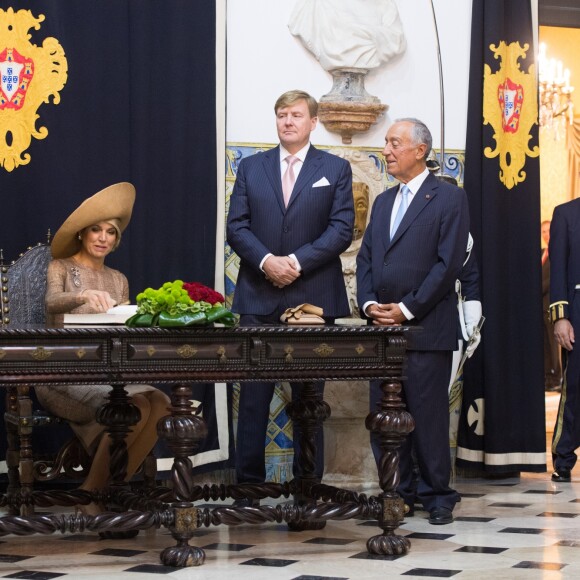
<point x="112" y="203"/>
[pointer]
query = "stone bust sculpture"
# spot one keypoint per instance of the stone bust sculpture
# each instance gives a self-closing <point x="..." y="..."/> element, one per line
<point x="360" y="34"/>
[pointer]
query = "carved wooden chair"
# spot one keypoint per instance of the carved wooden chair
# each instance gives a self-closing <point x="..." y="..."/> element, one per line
<point x="22" y="298"/>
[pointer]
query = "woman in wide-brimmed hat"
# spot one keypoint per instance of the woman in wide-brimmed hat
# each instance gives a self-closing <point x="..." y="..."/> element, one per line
<point x="78" y="281"/>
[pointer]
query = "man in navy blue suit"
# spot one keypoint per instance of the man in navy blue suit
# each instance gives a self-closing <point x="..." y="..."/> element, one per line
<point x="406" y="271"/>
<point x="564" y="249"/>
<point x="291" y="216"/>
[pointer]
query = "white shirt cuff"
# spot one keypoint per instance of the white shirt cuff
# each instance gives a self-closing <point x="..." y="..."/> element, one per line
<point x="296" y="262"/>
<point x="264" y="259"/>
<point x="298" y="266"/>
<point x="406" y="311"/>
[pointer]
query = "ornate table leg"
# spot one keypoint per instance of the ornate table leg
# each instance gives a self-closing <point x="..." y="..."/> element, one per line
<point x="308" y="412"/>
<point x="393" y="424"/>
<point x="118" y="415"/>
<point x="183" y="430"/>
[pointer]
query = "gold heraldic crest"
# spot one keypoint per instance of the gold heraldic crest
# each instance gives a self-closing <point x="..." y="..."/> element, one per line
<point x="510" y="107"/>
<point x="29" y="76"/>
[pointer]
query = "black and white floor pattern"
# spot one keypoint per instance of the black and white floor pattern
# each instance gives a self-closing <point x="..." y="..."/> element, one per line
<point x="525" y="527"/>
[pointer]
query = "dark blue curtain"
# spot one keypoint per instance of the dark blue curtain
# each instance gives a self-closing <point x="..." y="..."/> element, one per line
<point x="502" y="427"/>
<point x="138" y="106"/>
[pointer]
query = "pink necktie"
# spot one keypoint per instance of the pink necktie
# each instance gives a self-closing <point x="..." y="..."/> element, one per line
<point x="289" y="179"/>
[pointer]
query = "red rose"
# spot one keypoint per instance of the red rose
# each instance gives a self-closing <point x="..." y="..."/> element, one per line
<point x="200" y="293"/>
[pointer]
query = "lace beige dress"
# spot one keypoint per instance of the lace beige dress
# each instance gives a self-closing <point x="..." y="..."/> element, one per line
<point x="78" y="404"/>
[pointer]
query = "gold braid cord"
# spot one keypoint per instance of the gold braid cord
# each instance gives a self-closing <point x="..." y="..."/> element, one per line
<point x="558" y="310"/>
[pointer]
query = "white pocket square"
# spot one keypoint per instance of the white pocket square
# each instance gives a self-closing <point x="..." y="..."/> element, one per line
<point x="321" y="182"/>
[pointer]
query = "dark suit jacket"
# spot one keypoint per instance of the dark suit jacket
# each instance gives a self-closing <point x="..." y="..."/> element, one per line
<point x="317" y="227"/>
<point x="564" y="251"/>
<point x="421" y="263"/>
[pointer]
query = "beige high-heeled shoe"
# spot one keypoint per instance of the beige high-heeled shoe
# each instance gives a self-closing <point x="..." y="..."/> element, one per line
<point x="90" y="509"/>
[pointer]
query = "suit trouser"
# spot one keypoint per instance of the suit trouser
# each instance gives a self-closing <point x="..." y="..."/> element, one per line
<point x="426" y="396"/>
<point x="566" y="437"/>
<point x="253" y="414"/>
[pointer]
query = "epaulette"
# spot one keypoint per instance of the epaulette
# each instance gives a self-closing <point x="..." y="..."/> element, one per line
<point x="558" y="310"/>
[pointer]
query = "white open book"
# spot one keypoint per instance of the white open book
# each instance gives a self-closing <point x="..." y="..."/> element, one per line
<point x="115" y="315"/>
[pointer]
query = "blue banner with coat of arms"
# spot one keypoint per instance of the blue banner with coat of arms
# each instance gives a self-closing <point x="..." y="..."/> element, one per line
<point x="502" y="427"/>
<point x="96" y="93"/>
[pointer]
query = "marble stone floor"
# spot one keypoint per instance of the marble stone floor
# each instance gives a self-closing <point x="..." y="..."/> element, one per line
<point x="526" y="527"/>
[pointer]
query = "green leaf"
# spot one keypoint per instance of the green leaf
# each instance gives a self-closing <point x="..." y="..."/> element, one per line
<point x="140" y="320"/>
<point x="215" y="313"/>
<point x="183" y="319"/>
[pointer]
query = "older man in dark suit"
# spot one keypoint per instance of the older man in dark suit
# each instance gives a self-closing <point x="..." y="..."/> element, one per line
<point x="291" y="216"/>
<point x="565" y="314"/>
<point x="411" y="255"/>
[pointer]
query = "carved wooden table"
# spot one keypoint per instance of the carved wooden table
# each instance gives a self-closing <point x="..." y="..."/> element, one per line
<point x="120" y="355"/>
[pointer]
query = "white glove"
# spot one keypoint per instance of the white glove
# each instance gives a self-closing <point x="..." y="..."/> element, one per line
<point x="472" y="314"/>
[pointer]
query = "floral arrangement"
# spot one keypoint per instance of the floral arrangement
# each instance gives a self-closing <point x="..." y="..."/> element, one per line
<point x="180" y="303"/>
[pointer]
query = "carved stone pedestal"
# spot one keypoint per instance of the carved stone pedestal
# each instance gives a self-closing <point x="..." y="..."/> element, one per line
<point x="348" y="457"/>
<point x="348" y="108"/>
<point x="349" y="118"/>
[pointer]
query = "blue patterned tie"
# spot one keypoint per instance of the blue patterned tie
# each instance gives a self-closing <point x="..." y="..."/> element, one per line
<point x="402" y="209"/>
